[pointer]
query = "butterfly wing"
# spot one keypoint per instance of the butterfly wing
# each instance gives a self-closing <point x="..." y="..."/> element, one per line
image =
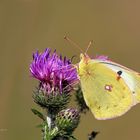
<point x="106" y="95"/>
<point x="131" y="77"/>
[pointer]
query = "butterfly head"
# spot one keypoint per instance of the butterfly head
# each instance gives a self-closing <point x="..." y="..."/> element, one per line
<point x="84" y="65"/>
<point x="84" y="58"/>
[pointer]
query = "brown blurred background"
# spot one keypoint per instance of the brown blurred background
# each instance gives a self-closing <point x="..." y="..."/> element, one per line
<point x="28" y="25"/>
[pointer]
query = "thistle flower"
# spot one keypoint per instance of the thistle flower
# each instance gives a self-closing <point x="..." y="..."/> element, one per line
<point x="68" y="119"/>
<point x="56" y="76"/>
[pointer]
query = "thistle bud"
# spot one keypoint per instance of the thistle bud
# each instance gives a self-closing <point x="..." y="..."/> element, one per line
<point x="68" y="119"/>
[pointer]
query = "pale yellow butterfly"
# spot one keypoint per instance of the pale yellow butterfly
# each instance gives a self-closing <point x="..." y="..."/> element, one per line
<point x="109" y="89"/>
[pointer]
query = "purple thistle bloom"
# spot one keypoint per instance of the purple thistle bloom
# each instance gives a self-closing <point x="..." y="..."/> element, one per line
<point x="54" y="73"/>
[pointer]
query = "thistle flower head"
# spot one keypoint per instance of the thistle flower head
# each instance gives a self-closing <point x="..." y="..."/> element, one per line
<point x="56" y="75"/>
<point x="68" y="119"/>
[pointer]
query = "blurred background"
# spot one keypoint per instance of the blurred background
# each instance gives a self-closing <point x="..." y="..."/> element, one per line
<point x="30" y="25"/>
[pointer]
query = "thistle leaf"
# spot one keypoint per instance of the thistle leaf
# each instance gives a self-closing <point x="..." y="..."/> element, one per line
<point x="39" y="114"/>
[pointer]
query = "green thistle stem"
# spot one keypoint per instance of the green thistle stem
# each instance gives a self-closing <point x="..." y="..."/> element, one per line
<point x="50" y="130"/>
<point x="49" y="121"/>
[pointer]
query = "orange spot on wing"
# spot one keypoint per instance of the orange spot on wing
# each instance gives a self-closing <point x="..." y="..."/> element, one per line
<point x="118" y="78"/>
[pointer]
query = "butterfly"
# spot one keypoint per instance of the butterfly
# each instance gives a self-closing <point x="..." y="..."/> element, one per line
<point x="109" y="89"/>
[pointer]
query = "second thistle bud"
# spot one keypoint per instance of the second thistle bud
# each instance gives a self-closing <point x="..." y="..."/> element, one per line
<point x="68" y="119"/>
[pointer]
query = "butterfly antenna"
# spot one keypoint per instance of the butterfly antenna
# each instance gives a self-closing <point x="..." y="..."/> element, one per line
<point x="73" y="43"/>
<point x="89" y="45"/>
